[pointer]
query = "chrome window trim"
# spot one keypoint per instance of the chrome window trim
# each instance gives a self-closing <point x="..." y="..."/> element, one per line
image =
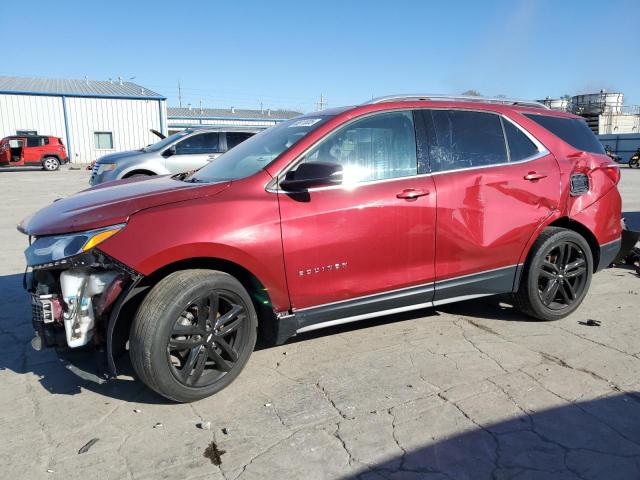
<point x="526" y="160"/>
<point x="271" y="186"/>
<point x="542" y="150"/>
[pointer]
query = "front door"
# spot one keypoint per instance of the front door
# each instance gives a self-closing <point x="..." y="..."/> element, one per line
<point x="368" y="244"/>
<point x="17" y="147"/>
<point x="495" y="186"/>
<point x="194" y="152"/>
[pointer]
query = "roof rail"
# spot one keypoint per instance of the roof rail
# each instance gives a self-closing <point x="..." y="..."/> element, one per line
<point x="463" y="98"/>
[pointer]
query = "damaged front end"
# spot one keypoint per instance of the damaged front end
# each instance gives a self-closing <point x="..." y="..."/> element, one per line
<point x="74" y="288"/>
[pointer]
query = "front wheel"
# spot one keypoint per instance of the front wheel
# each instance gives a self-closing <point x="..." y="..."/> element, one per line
<point x="193" y="334"/>
<point x="51" y="164"/>
<point x="634" y="162"/>
<point x="556" y="276"/>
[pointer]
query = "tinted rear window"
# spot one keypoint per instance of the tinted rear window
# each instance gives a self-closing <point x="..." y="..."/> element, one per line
<point x="572" y="130"/>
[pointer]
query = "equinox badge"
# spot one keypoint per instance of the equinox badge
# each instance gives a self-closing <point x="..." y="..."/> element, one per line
<point x="321" y="269"/>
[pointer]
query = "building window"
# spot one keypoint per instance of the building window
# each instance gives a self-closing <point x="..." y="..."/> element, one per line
<point x="103" y="140"/>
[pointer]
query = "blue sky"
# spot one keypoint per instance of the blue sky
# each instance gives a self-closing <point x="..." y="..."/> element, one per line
<point x="286" y="53"/>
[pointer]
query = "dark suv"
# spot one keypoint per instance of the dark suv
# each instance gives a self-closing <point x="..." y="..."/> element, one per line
<point x="336" y="216"/>
<point x="33" y="150"/>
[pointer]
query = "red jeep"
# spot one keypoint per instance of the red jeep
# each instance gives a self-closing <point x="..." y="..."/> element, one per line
<point x="33" y="150"/>
<point x="336" y="216"/>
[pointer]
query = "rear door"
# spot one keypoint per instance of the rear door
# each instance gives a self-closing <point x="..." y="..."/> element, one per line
<point x="194" y="152"/>
<point x="231" y="139"/>
<point x="367" y="245"/>
<point x="495" y="184"/>
<point x="35" y="149"/>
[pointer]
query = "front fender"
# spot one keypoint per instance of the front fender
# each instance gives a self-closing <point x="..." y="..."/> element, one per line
<point x="148" y="167"/>
<point x="237" y="225"/>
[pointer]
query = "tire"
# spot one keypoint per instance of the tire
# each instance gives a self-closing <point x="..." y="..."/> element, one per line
<point x="538" y="296"/>
<point x="184" y="349"/>
<point x="635" y="163"/>
<point x="138" y="175"/>
<point x="50" y="164"/>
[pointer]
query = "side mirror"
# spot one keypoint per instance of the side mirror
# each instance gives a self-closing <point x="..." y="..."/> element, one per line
<point x="169" y="152"/>
<point x="316" y="174"/>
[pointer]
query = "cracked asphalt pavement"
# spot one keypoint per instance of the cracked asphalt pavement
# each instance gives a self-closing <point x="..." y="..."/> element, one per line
<point x="469" y="391"/>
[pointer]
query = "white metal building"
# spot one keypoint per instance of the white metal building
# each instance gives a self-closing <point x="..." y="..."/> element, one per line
<point x="181" y="118"/>
<point x="605" y="112"/>
<point x="92" y="117"/>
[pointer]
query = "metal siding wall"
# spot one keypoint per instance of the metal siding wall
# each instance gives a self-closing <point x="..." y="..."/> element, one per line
<point x="624" y="145"/>
<point x="31" y="112"/>
<point x="128" y="120"/>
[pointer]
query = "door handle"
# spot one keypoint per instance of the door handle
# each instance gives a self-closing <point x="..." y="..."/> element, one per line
<point x="533" y="176"/>
<point x="412" y="193"/>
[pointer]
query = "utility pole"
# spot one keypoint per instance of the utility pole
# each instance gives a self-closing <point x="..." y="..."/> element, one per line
<point x="321" y="104"/>
<point x="179" y="94"/>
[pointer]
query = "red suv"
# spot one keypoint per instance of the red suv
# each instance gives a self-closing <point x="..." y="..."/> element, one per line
<point x="395" y="205"/>
<point x="32" y="151"/>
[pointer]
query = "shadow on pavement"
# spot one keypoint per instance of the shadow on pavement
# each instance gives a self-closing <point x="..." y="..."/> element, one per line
<point x="597" y="439"/>
<point x="22" y="169"/>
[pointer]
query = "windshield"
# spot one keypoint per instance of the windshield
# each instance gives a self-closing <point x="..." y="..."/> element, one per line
<point x="257" y="152"/>
<point x="166" y="141"/>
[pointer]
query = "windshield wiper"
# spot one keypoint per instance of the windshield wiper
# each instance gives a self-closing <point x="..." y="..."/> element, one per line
<point x="194" y="180"/>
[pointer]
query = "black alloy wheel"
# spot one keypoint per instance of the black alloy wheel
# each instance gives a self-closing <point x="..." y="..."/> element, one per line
<point x="562" y="276"/>
<point x="193" y="334"/>
<point x="556" y="275"/>
<point x="204" y="342"/>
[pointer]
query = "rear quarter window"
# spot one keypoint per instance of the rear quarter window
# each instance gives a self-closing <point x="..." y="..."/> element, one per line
<point x="520" y="147"/>
<point x="574" y="131"/>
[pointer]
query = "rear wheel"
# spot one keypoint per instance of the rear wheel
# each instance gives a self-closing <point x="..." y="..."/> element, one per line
<point x="634" y="162"/>
<point x="193" y="334"/>
<point x="557" y="275"/>
<point x="50" y="164"/>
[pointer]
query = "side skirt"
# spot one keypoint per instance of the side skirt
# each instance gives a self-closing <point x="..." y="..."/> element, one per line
<point x="491" y="282"/>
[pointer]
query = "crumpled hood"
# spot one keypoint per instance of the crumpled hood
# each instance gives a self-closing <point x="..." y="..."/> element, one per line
<point x="113" y="203"/>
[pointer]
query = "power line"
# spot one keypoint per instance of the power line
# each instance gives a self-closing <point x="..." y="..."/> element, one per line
<point x="321" y="104"/>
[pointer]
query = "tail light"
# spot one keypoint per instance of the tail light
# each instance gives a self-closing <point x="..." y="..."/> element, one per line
<point x="613" y="172"/>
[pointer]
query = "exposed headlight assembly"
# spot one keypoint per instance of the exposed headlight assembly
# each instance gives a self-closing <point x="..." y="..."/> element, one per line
<point x="54" y="248"/>
<point x="105" y="167"/>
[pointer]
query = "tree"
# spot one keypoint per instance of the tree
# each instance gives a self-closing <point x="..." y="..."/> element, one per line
<point x="472" y="93"/>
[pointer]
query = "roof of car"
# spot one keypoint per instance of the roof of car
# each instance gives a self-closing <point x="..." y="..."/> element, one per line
<point x="29" y="136"/>
<point x="75" y="88"/>
<point x="445" y="101"/>
<point x="229" y="128"/>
